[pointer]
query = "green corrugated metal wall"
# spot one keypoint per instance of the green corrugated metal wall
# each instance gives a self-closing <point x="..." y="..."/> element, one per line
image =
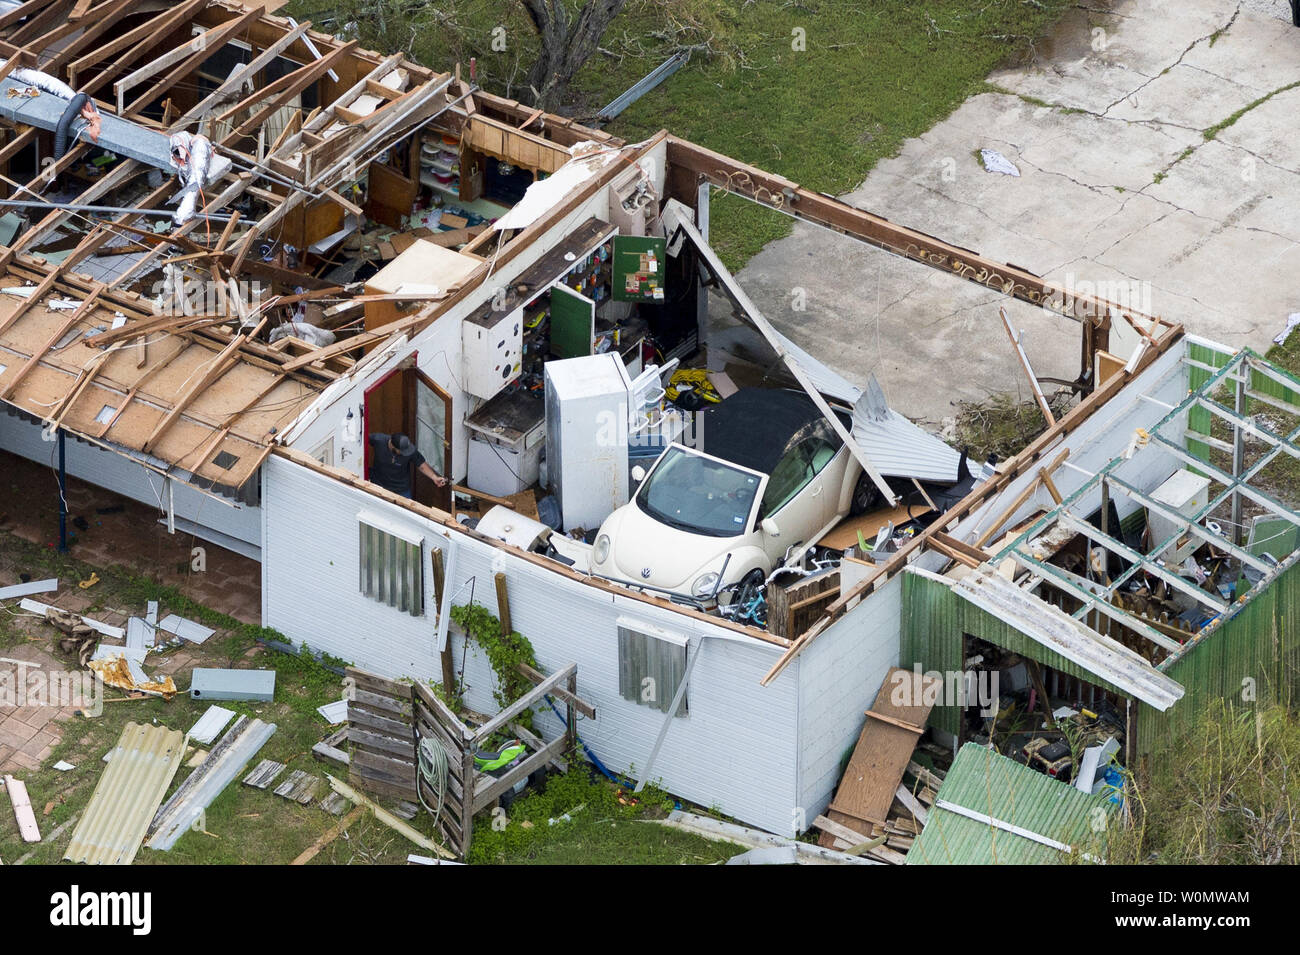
<point x="934" y="619"/>
<point x="1260" y="642"/>
<point x="1198" y="418"/>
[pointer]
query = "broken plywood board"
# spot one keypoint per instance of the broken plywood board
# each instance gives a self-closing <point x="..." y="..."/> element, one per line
<point x="185" y="629"/>
<point x="264" y="774"/>
<point x="300" y="787"/>
<point x="22" y="804"/>
<point x="893" y="727"/>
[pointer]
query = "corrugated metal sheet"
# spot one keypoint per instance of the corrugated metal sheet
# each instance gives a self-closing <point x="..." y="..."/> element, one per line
<point x="1253" y="655"/>
<point x="896" y="446"/>
<point x="1058" y="631"/>
<point x="988" y="783"/>
<point x="143" y="765"/>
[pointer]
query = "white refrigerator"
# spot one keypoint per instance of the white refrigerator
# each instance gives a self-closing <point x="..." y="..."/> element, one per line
<point x="586" y="437"/>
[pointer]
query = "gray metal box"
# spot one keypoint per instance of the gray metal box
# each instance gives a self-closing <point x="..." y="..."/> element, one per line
<point x="212" y="684"/>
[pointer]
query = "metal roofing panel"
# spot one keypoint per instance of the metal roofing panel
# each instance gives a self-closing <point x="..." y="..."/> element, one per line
<point x="1050" y="626"/>
<point x="144" y="763"/>
<point x="992" y="785"/>
<point x="237" y="747"/>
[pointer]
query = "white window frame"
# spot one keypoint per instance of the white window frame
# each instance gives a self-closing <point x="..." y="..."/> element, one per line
<point x="665" y="662"/>
<point x="390" y="562"/>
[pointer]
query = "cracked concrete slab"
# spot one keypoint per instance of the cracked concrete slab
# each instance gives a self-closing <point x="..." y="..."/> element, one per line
<point x="1120" y="192"/>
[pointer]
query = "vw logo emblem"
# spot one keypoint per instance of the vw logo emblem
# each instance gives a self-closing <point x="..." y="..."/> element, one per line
<point x="645" y="573"/>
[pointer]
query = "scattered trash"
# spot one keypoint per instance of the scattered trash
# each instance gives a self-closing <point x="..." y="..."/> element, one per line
<point x="63" y="766"/>
<point x="178" y="814"/>
<point x="119" y="672"/>
<point x="111" y="827"/>
<point x="185" y="629"/>
<point x="334" y="804"/>
<point x="994" y="161"/>
<point x="207" y="683"/>
<point x="1292" y="321"/>
<point x="300" y="787"/>
<point x="210" y="724"/>
<point x="89" y="581"/>
<point x="36" y="607"/>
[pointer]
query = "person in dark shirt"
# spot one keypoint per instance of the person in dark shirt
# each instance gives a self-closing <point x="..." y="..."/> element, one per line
<point x="391" y="460"/>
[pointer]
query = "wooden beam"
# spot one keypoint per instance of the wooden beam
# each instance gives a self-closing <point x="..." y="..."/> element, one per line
<point x="283" y="90"/>
<point x="28" y="9"/>
<point x="236" y="79"/>
<point x="329" y="836"/>
<point x="783" y="195"/>
<point x="218" y="368"/>
<point x="102" y="19"/>
<point x="150" y="32"/>
<point x="213" y="40"/>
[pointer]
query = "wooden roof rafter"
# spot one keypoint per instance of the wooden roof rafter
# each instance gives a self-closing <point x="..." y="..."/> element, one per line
<point x="220" y="365"/>
<point x="203" y="46"/>
<point x="71" y="322"/>
<point x="100" y="20"/>
<point x="135" y="43"/>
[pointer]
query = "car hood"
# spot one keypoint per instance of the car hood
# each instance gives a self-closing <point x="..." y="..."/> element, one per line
<point x="646" y="551"/>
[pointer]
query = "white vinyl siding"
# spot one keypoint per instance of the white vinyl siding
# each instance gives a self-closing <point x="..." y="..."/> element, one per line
<point x="392" y="569"/>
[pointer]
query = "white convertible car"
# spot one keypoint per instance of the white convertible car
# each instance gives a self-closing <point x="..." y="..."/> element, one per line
<point x="772" y="478"/>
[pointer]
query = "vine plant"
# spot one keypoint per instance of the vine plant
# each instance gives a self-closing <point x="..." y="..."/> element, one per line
<point x="504" y="651"/>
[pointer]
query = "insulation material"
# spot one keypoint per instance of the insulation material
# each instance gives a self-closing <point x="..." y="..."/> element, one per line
<point x="117" y="671"/>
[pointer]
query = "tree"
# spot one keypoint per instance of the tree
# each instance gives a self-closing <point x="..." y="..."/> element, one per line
<point x="567" y="42"/>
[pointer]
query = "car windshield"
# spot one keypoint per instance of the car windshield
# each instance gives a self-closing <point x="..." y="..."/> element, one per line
<point x="697" y="494"/>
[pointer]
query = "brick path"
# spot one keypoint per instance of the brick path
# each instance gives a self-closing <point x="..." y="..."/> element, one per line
<point x="28" y="733"/>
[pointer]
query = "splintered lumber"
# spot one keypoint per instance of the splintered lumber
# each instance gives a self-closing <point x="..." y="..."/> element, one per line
<point x="300" y="787"/>
<point x="329" y="836"/>
<point x="22" y="804"/>
<point x="387" y="818"/>
<point x="264" y="774"/>
<point x="884" y="749"/>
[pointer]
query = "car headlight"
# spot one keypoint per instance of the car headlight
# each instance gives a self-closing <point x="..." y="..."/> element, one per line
<point x="602" y="548"/>
<point x="704" y="584"/>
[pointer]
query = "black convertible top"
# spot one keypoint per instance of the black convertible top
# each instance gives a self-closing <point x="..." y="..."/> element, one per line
<point x="755" y="426"/>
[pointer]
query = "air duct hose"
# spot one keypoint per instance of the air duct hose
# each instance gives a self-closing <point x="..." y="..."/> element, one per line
<point x="70" y="113"/>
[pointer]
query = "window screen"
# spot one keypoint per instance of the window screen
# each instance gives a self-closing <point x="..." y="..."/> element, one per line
<point x="650" y="669"/>
<point x="392" y="569"/>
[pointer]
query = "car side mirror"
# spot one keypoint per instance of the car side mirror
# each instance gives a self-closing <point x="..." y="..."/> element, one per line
<point x="638" y="473"/>
<point x="769" y="527"/>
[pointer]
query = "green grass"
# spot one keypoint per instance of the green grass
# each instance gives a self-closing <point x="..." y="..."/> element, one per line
<point x="579" y="820"/>
<point x="870" y="76"/>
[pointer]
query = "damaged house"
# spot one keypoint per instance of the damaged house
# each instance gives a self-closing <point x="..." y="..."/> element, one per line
<point x="235" y="249"/>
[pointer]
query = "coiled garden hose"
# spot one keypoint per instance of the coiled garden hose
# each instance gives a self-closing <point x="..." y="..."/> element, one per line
<point x="433" y="770"/>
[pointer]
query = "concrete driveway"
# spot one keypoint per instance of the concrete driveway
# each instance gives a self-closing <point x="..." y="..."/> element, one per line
<point x="1120" y="192"/>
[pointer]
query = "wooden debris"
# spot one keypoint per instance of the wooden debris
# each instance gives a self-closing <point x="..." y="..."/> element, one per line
<point x="300" y="787"/>
<point x="22" y="804"/>
<point x="387" y="818"/>
<point x="264" y="774"/>
<point x="334" y="804"/>
<point x="329" y="836"/>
